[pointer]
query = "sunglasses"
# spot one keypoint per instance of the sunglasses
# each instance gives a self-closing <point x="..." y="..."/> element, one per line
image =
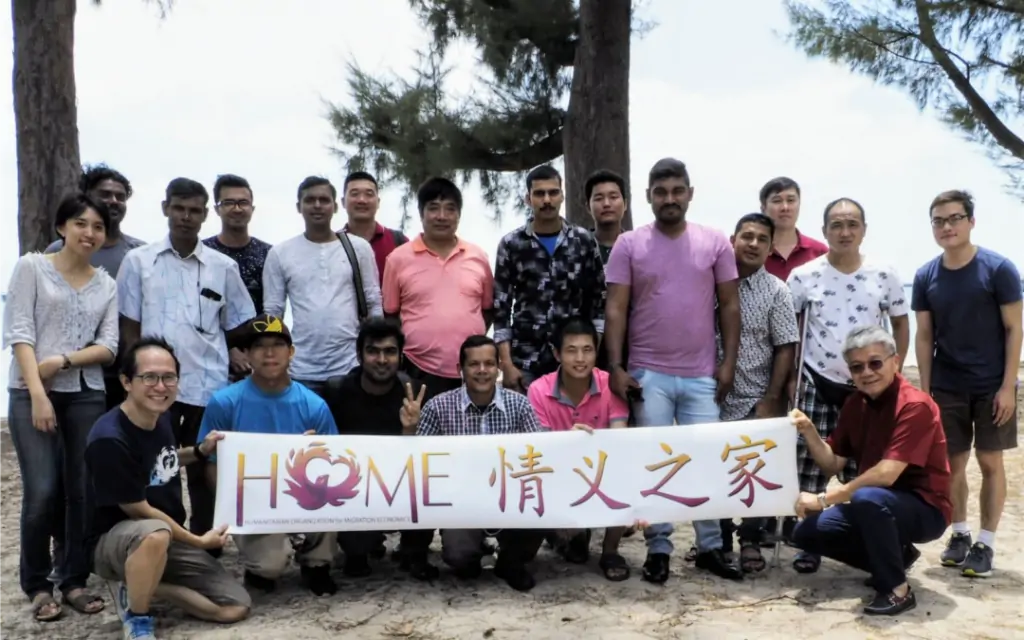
<point x="857" y="368"/>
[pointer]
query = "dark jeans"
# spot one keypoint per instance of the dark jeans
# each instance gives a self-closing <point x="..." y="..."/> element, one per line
<point x="55" y="503"/>
<point x="871" y="531"/>
<point x="186" y="420"/>
<point x="435" y="385"/>
<point x="362" y="543"/>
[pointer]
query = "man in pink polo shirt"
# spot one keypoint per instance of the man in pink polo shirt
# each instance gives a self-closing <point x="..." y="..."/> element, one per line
<point x="578" y="394"/>
<point x="441" y="289"/>
<point x="780" y="201"/>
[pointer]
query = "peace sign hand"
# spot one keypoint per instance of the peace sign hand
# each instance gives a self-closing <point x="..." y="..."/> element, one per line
<point x="411" y="405"/>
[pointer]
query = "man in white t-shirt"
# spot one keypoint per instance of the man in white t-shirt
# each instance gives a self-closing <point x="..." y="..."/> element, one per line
<point x="839" y="291"/>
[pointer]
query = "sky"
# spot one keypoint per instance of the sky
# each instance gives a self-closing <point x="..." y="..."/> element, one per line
<point x="238" y="86"/>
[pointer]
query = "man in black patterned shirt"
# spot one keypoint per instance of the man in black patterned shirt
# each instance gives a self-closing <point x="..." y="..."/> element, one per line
<point x="546" y="272"/>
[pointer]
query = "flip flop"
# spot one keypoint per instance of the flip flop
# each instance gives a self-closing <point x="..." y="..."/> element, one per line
<point x="42" y="600"/>
<point x="614" y="567"/>
<point x="81" y="602"/>
<point x="806" y="563"/>
<point x="751" y="559"/>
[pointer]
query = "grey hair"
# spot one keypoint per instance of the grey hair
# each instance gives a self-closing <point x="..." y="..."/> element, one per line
<point x="865" y="336"/>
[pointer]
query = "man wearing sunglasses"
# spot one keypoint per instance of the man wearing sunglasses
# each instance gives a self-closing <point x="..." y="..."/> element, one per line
<point x="893" y="431"/>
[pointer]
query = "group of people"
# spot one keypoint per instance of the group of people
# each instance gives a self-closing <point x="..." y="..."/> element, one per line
<point x="132" y="359"/>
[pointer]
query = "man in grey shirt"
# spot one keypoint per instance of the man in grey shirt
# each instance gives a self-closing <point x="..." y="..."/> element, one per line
<point x="109" y="187"/>
<point x="314" y="272"/>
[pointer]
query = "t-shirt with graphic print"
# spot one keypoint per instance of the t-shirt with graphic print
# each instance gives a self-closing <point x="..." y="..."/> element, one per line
<point x="128" y="464"/>
<point x="250" y="259"/>
<point x="840" y="302"/>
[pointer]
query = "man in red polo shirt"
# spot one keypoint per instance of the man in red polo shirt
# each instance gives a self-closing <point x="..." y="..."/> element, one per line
<point x="361" y="201"/>
<point x="578" y="394"/>
<point x="901" y="497"/>
<point x="780" y="201"/>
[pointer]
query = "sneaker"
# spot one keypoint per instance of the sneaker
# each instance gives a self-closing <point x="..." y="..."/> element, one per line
<point x="979" y="561"/>
<point x="119" y="594"/>
<point x="955" y="553"/>
<point x="139" y="628"/>
<point x="890" y="604"/>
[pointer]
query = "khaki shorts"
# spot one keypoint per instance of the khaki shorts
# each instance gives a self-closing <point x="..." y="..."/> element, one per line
<point x="967" y="418"/>
<point x="187" y="566"/>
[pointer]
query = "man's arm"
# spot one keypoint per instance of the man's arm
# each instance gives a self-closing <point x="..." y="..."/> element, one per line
<point x="274" y="284"/>
<point x="898" y="315"/>
<point x="901" y="332"/>
<point x="924" y="348"/>
<point x="830" y="463"/>
<point x="784" y="333"/>
<point x="129" y="301"/>
<point x="615" y="318"/>
<point x="597" y="289"/>
<point x="487" y="303"/>
<point x="729" y="320"/>
<point x="391" y="290"/>
<point x="371" y="278"/>
<point x="883" y="474"/>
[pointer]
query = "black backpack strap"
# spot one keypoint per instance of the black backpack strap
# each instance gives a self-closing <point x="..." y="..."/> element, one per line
<point x="357" y="275"/>
<point x="399" y="237"/>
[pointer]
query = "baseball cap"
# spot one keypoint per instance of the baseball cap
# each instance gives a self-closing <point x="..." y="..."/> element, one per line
<point x="264" y="325"/>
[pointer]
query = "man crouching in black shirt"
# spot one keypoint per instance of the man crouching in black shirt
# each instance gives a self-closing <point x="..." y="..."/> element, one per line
<point x="377" y="399"/>
<point x="139" y="544"/>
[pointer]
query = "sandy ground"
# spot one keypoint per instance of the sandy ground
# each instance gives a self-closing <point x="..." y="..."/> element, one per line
<point x="577" y="601"/>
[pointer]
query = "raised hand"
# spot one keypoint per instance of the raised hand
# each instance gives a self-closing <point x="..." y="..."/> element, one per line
<point x="409" y="414"/>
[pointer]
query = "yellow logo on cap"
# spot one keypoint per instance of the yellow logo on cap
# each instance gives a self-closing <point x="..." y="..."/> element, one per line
<point x="274" y="326"/>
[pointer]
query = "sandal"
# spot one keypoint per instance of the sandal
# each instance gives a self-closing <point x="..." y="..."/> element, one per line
<point x="691" y="555"/>
<point x="751" y="560"/>
<point x="614" y="567"/>
<point x="84" y="602"/>
<point x="806" y="563"/>
<point x="43" y="601"/>
<point x="577" y="549"/>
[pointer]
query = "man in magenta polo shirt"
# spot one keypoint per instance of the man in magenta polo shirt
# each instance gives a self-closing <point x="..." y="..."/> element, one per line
<point x="578" y="394"/>
<point x="361" y="200"/>
<point x="667" y="276"/>
<point x="780" y="201"/>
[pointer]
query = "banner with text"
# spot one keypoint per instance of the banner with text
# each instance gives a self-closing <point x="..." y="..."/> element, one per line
<point x="269" y="483"/>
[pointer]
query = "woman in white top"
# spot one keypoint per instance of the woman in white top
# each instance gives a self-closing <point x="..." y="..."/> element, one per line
<point x="61" y="322"/>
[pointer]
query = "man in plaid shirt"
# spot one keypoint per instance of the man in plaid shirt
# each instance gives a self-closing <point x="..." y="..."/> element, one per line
<point x="478" y="407"/>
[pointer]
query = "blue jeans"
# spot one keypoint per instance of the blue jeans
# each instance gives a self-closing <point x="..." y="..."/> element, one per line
<point x="55" y="502"/>
<point x="870" y="532"/>
<point x="669" y="399"/>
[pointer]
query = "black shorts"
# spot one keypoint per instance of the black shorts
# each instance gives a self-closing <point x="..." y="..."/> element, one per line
<point x="967" y="417"/>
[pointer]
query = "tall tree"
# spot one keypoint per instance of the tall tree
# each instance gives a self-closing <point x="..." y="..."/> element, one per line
<point x="961" y="58"/>
<point x="45" y="113"/>
<point x="534" y="53"/>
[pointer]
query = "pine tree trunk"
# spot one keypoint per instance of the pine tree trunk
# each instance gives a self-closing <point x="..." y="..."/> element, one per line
<point x="45" y="114"/>
<point x="597" y="127"/>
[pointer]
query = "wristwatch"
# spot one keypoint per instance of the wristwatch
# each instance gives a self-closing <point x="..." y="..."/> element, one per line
<point x="67" y="363"/>
<point x="822" y="501"/>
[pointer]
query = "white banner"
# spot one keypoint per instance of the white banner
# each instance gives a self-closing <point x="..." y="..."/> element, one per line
<point x="268" y="483"/>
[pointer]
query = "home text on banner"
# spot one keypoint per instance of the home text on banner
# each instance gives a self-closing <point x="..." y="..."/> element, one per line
<point x="268" y="483"/>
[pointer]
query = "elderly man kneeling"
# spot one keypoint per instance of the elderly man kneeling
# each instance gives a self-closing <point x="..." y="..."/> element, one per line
<point x="902" y="495"/>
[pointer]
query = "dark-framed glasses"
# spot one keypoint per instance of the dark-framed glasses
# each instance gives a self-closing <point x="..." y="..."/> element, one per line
<point x="150" y="379"/>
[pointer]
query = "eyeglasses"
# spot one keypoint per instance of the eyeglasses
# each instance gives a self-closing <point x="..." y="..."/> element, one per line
<point x="953" y="220"/>
<point x="150" y="379"/>
<point x="875" y="364"/>
<point x="231" y="204"/>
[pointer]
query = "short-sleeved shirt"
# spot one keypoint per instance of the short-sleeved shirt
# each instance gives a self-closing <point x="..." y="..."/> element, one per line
<point x="250" y="259"/>
<point x="967" y="322"/>
<point x="440" y="301"/>
<point x="767" y="321"/>
<point x="190" y="301"/>
<point x="127" y="464"/>
<point x="383" y="242"/>
<point x="453" y="413"/>
<point x="902" y="424"/>
<point x="672" y="294"/>
<point x="245" y="408"/>
<point x="360" y="413"/>
<point x="598" y="409"/>
<point x="110" y="258"/>
<point x="806" y="249"/>
<point x="839" y="302"/>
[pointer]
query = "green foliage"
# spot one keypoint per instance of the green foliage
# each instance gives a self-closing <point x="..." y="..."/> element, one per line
<point x="961" y="58"/>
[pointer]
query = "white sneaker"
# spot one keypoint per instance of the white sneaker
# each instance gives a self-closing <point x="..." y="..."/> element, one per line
<point x="119" y="594"/>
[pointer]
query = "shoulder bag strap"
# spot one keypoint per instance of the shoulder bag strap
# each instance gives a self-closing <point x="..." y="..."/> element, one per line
<point x="357" y="276"/>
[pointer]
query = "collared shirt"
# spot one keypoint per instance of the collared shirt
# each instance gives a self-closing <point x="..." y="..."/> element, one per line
<point x="44" y="312"/>
<point x="806" y="249"/>
<point x="767" y="321"/>
<point x="163" y="291"/>
<point x="383" y="242"/>
<point x="440" y="301"/>
<point x="902" y="424"/>
<point x="316" y="278"/>
<point x="453" y="414"/>
<point x="598" y="408"/>
<point x="250" y="259"/>
<point x="536" y="291"/>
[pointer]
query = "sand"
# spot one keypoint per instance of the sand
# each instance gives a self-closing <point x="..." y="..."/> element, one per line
<point x="577" y="601"/>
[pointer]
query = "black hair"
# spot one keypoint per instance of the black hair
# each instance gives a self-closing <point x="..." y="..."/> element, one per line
<point x="543" y="172"/>
<point x="92" y="175"/>
<point x="376" y="329"/>
<point x="832" y="205"/>
<point x="438" y="188"/>
<point x="777" y="185"/>
<point x="129" y="359"/>
<point x="315" y="181"/>
<point x="668" y="168"/>
<point x="185" y="188"/>
<point x="359" y="175"/>
<point x="73" y="206"/>
<point x="965" y="199"/>
<point x="230" y="180"/>
<point x="574" y="327"/>
<point x="757" y="218"/>
<point x="602" y="176"/>
<point x="473" y="342"/>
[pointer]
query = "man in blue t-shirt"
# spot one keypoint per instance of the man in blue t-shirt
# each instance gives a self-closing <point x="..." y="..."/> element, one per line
<point x="268" y="401"/>
<point x="139" y="543"/>
<point x="968" y="304"/>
